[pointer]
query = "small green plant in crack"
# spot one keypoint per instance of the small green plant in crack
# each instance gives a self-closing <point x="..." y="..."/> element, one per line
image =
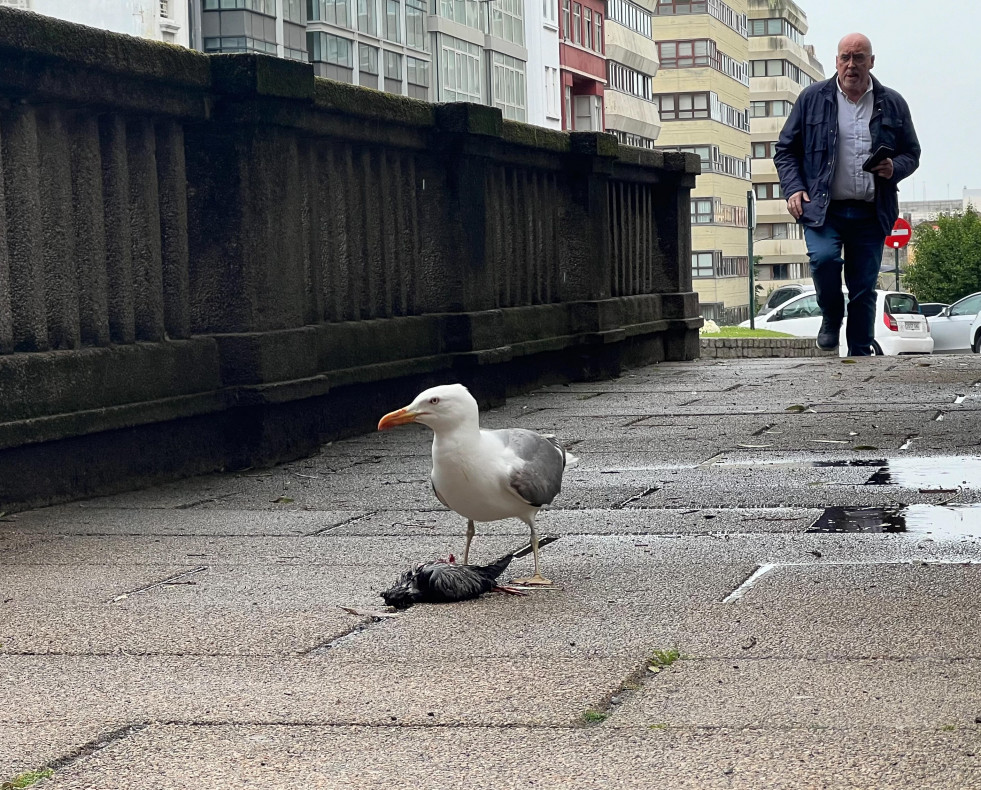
<point x="948" y="728"/>
<point x="594" y="716"/>
<point x="27" y="779"/>
<point x="658" y="726"/>
<point x="662" y="658"/>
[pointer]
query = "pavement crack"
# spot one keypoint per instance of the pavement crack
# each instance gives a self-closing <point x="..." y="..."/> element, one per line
<point x="636" y="497"/>
<point x="90" y="747"/>
<point x="177" y="578"/>
<point x="345" y="522"/>
<point x="347" y="636"/>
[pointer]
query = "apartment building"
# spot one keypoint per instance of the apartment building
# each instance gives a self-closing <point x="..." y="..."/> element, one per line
<point x="444" y="51"/>
<point x="543" y="68"/>
<point x="270" y="27"/>
<point x="701" y="90"/>
<point x="161" y="20"/>
<point x="582" y="44"/>
<point x="631" y="63"/>
<point x="781" y="66"/>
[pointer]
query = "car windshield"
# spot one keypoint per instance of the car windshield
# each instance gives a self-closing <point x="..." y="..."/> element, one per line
<point x="901" y="304"/>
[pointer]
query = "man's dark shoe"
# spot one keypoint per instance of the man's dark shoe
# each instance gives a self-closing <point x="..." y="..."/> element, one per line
<point x="827" y="339"/>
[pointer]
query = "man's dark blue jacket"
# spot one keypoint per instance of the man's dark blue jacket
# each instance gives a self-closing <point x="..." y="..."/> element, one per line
<point x="805" y="153"/>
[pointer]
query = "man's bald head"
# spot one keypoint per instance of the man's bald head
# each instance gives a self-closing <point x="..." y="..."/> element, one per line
<point x="853" y="63"/>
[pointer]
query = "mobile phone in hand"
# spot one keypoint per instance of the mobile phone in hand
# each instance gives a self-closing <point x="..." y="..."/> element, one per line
<point x="882" y="153"/>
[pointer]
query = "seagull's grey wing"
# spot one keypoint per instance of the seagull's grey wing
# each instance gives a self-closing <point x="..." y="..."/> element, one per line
<point x="540" y="478"/>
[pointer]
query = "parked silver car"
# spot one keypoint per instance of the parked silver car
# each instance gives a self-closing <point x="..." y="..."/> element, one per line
<point x="958" y="327"/>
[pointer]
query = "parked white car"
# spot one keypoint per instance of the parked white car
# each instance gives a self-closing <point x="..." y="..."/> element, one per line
<point x="899" y="326"/>
<point x="781" y="295"/>
<point x="958" y="327"/>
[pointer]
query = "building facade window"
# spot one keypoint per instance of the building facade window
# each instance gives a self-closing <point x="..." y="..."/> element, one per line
<point x="367" y="23"/>
<point x="775" y="27"/>
<point x="698" y="53"/>
<point x="367" y="59"/>
<point x="627" y="80"/>
<point x="727" y="114"/>
<point x="267" y="7"/>
<point x="415" y="25"/>
<point x="636" y="140"/>
<point x="459" y="63"/>
<point x="683" y="106"/>
<point x="393" y="65"/>
<point x="678" y="7"/>
<point x="334" y="12"/>
<point x="417" y="71"/>
<point x="507" y="20"/>
<point x="702" y="212"/>
<point x="239" y="44"/>
<point x="764" y="150"/>
<point x="779" y="68"/>
<point x="734" y="266"/>
<point x="714" y="161"/>
<point x="720" y="10"/>
<point x="550" y="12"/>
<point x="577" y="23"/>
<point x="466" y="12"/>
<point x="566" y="19"/>
<point x="770" y="109"/>
<point x="508" y="86"/>
<point x="765" y="231"/>
<point x="552" y="109"/>
<point x="768" y="191"/>
<point x="327" y="48"/>
<point x="712" y="211"/>
<point x="630" y="15"/>
<point x="293" y="11"/>
<point x="393" y="21"/>
<point x="703" y="263"/>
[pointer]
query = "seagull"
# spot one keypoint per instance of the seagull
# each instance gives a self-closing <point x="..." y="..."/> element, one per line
<point x="443" y="581"/>
<point x="485" y="475"/>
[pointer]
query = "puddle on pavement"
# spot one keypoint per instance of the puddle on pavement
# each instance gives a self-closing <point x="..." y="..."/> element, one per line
<point x="853" y="462"/>
<point x="928" y="474"/>
<point x="931" y="473"/>
<point x="939" y="522"/>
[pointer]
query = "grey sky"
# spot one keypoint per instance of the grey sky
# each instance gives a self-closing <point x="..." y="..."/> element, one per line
<point x="931" y="54"/>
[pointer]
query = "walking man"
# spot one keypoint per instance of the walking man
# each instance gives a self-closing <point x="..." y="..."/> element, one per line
<point x="833" y="129"/>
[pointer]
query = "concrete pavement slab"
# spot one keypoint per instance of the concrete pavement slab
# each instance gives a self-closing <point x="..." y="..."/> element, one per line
<point x="922" y="693"/>
<point x="74" y="520"/>
<point x="491" y="691"/>
<point x="164" y="757"/>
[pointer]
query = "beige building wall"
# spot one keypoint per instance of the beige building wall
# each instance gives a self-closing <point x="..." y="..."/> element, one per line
<point x="777" y="29"/>
<point x="720" y="266"/>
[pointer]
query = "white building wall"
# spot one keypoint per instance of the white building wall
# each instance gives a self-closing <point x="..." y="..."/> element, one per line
<point x="542" y="37"/>
<point x="142" y="18"/>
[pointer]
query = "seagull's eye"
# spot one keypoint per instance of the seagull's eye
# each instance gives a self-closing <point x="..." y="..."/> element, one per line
<point x="434" y="401"/>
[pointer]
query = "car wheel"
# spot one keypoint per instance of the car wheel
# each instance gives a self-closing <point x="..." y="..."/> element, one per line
<point x="976" y="345"/>
<point x="876" y="350"/>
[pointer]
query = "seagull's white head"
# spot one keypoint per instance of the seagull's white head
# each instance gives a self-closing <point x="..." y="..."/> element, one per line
<point x="446" y="407"/>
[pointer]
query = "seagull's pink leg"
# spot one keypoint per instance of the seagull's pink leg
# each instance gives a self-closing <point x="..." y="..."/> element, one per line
<point x="470" y="534"/>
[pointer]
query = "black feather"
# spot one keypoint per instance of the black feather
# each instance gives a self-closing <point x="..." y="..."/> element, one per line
<point x="440" y="581"/>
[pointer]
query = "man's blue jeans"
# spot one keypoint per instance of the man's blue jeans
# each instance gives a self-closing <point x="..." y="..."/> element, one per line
<point x="850" y="239"/>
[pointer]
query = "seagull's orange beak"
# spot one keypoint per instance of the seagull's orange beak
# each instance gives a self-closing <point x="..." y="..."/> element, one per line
<point x="393" y="418"/>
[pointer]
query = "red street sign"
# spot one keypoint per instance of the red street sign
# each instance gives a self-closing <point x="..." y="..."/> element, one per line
<point x="902" y="232"/>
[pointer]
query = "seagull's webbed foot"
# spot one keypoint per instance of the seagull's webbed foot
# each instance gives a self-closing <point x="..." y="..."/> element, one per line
<point x="534" y="581"/>
<point x="507" y="590"/>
